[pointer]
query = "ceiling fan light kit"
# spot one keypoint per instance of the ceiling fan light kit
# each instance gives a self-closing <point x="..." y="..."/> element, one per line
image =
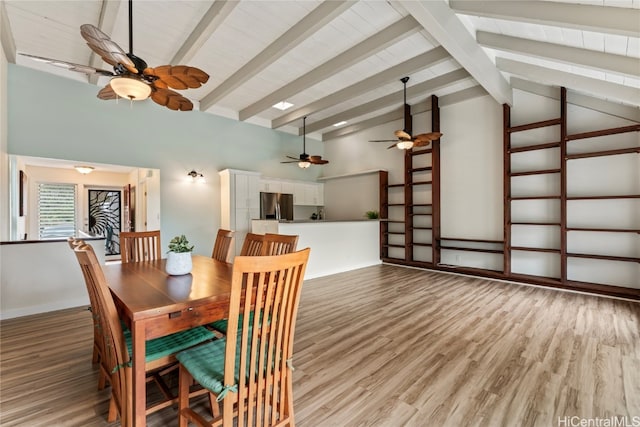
<point x="132" y="78"/>
<point x="130" y="88"/>
<point x="405" y="141"/>
<point x="305" y="160"/>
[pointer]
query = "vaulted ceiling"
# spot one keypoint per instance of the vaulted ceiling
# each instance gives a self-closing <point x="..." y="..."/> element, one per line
<point x="341" y="61"/>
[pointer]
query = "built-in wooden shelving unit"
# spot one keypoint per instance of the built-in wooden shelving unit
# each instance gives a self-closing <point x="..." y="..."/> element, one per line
<point x="411" y="219"/>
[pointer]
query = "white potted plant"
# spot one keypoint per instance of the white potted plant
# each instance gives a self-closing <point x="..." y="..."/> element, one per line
<point x="179" y="256"/>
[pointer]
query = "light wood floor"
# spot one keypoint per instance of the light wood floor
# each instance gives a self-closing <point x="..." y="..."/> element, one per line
<point x="384" y="346"/>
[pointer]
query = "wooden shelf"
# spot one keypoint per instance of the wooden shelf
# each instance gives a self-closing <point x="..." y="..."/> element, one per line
<point x="534" y="197"/>
<point x="534" y="147"/>
<point x="393" y="246"/>
<point x="535" y="125"/>
<point x="422" y="204"/>
<point x="604" y="257"/>
<point x="605" y="230"/>
<point x="538" y="172"/>
<point x="535" y="223"/>
<point x="421" y="214"/>
<point x="603" y="132"/>
<point x="394" y="204"/>
<point x="421" y="183"/>
<point x="462" y="248"/>
<point x="529" y="249"/>
<point x="423" y="244"/>
<point x="603" y="153"/>
<point x="395" y="185"/>
<point x="422" y="228"/>
<point x="424" y="169"/>
<point x="471" y="240"/>
<point x="400" y="233"/>
<point x="628" y="196"/>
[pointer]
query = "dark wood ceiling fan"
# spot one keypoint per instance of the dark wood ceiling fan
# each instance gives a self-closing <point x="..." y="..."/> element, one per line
<point x="132" y="78"/>
<point x="404" y="140"/>
<point x="305" y="160"/>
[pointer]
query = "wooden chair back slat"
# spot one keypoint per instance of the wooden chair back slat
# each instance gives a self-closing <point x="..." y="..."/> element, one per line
<point x="252" y="245"/>
<point x="279" y="244"/>
<point x="223" y="245"/>
<point x="140" y="246"/>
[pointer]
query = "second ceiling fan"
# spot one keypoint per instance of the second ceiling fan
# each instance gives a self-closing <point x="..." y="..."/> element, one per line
<point x="404" y="140"/>
<point x="305" y="160"/>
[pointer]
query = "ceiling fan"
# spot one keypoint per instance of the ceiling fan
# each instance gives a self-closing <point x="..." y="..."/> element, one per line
<point x="404" y="140"/>
<point x="305" y="160"/>
<point x="132" y="78"/>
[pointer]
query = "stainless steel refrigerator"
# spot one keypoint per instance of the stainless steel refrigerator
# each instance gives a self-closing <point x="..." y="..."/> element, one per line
<point x="276" y="206"/>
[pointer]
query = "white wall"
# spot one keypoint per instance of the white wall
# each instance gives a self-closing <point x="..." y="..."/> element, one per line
<point x="59" y="118"/>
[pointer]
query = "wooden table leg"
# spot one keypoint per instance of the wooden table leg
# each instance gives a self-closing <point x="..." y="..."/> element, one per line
<point x="138" y="375"/>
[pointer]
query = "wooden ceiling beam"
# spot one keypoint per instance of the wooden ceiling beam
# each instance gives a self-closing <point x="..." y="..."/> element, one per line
<point x="601" y="19"/>
<point x="426" y="87"/>
<point x="301" y="31"/>
<point x="417" y="63"/>
<point x="442" y="23"/>
<point x="619" y="64"/>
<point x="599" y="88"/>
<point x="6" y="35"/>
<point x="351" y="56"/>
<point x="398" y="114"/>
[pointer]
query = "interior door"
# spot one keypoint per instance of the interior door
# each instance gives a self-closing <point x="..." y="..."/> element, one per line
<point x="105" y="217"/>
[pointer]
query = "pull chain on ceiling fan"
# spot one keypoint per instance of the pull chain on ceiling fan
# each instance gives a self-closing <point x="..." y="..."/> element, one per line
<point x="132" y="78"/>
<point x="404" y="140"/>
<point x="305" y="160"/>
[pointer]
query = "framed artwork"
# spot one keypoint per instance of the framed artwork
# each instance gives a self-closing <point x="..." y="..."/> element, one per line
<point x="22" y="194"/>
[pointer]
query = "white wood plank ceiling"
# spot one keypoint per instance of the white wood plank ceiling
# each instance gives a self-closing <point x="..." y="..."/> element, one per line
<point x="340" y="60"/>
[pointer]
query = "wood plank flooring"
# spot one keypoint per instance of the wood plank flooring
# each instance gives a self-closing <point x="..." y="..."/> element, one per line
<point x="384" y="346"/>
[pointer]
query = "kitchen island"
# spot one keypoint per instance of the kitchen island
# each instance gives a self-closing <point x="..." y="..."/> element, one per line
<point x="336" y="246"/>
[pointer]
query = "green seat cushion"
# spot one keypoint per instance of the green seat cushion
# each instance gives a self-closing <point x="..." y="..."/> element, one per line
<point x="205" y="363"/>
<point x="170" y="344"/>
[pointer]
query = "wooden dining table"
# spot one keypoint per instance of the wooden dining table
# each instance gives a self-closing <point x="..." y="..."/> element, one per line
<point x="154" y="304"/>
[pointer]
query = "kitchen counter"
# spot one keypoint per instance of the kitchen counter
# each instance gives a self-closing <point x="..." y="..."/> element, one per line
<point x="336" y="245"/>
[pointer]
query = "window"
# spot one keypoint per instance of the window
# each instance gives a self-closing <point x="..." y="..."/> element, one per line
<point x="56" y="210"/>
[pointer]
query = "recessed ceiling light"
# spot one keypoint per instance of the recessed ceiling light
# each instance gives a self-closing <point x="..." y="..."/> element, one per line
<point x="283" y="105"/>
<point x="340" y="123"/>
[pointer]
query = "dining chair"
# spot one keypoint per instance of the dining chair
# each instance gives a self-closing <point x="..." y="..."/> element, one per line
<point x="98" y="351"/>
<point x="279" y="244"/>
<point x="252" y="245"/>
<point x="223" y="246"/>
<point x="140" y="245"/>
<point x="272" y="244"/>
<point x="250" y="369"/>
<point x="117" y="343"/>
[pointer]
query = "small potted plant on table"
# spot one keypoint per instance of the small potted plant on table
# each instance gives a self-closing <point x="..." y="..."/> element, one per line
<point x="179" y="256"/>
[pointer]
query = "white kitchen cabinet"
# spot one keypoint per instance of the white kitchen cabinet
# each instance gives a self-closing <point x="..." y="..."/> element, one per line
<point x="287" y="187"/>
<point x="271" y="186"/>
<point x="308" y="194"/>
<point x="239" y="202"/>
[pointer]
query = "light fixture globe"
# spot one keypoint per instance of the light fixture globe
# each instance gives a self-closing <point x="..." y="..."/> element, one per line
<point x="304" y="164"/>
<point x="130" y="88"/>
<point x="404" y="145"/>
<point x="84" y="169"/>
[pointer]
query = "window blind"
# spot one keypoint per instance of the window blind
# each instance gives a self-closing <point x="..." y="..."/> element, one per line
<point x="56" y="210"/>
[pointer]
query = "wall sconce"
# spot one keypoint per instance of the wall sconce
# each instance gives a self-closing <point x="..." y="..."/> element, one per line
<point x="84" y="170"/>
<point x="196" y="177"/>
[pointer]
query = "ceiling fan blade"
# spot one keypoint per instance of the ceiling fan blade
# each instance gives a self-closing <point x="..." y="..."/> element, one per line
<point x="421" y="143"/>
<point x="69" y="65"/>
<point x="317" y="160"/>
<point x="383" y="140"/>
<point x="108" y="50"/>
<point x="178" y="76"/>
<point x="293" y="158"/>
<point x="427" y="137"/>
<point x="402" y="135"/>
<point x="393" y="146"/>
<point x="107" y="93"/>
<point x="170" y="99"/>
<point x="291" y="161"/>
